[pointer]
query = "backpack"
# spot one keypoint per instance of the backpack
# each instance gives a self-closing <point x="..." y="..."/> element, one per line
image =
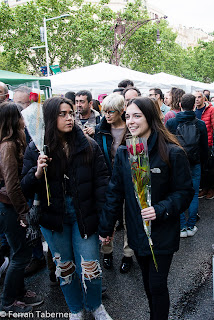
<point x="188" y="135"/>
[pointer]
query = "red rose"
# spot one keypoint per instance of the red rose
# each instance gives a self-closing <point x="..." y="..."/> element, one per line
<point x="138" y="148"/>
<point x="34" y="97"/>
<point x="142" y="146"/>
<point x="130" y="149"/>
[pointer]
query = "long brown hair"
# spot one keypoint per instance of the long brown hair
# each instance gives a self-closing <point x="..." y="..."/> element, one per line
<point x="147" y="106"/>
<point x="10" y="129"/>
<point x="176" y="94"/>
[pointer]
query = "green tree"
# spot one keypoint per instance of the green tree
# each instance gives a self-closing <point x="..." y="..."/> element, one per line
<point x="81" y="39"/>
<point x="87" y="37"/>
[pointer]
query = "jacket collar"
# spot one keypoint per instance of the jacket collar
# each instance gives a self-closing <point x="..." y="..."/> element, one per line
<point x="81" y="142"/>
<point x="185" y="116"/>
<point x="152" y="140"/>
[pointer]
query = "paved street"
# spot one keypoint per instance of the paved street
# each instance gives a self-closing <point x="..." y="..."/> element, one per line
<point x="201" y="304"/>
<point x="125" y="298"/>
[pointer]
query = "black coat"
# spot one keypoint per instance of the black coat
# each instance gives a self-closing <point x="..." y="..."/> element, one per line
<point x="171" y="194"/>
<point x="86" y="183"/>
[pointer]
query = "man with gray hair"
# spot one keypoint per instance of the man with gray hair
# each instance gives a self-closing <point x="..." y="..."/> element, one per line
<point x="22" y="96"/>
<point x="3" y="92"/>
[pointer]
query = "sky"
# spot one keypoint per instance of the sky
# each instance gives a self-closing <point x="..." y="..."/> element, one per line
<point x="189" y="13"/>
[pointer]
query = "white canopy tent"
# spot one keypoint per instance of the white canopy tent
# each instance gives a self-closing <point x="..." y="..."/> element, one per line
<point x="185" y="84"/>
<point x="104" y="78"/>
<point x="100" y="78"/>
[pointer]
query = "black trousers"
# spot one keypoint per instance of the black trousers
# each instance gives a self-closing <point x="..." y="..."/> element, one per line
<point x="155" y="284"/>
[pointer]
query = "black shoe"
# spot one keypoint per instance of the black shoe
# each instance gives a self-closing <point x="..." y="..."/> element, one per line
<point x="34" y="266"/>
<point x="104" y="289"/>
<point x="108" y="261"/>
<point x="53" y="280"/>
<point x="126" y="264"/>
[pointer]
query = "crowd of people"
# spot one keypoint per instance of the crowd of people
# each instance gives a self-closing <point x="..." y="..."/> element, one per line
<point x="91" y="190"/>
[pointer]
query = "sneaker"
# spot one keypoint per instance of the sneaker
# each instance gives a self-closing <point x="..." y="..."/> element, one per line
<point x="4" y="265"/>
<point x="101" y="313"/>
<point x="32" y="299"/>
<point x="210" y="195"/>
<point x="16" y="307"/>
<point x="34" y="266"/>
<point x="191" y="231"/>
<point x="76" y="316"/>
<point x="183" y="233"/>
<point x="202" y="194"/>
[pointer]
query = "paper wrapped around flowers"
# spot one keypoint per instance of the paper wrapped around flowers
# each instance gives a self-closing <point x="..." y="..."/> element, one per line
<point x="140" y="170"/>
<point x="34" y="122"/>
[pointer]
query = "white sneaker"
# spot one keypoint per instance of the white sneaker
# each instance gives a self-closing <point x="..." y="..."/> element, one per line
<point x="183" y="233"/>
<point x="191" y="231"/>
<point x="76" y="316"/>
<point x="101" y="313"/>
<point x="4" y="265"/>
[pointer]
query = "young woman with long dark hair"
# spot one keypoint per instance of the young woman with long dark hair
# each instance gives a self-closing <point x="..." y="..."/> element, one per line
<point x="14" y="210"/>
<point x="77" y="177"/>
<point x="171" y="194"/>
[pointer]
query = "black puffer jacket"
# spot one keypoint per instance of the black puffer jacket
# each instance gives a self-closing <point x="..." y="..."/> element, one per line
<point x="171" y="192"/>
<point x="85" y="183"/>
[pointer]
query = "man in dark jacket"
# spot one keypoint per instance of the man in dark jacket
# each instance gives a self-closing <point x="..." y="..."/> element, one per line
<point x="187" y="115"/>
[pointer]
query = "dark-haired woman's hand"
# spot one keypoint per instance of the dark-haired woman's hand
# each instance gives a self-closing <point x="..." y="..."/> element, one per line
<point x="41" y="165"/>
<point x="148" y="214"/>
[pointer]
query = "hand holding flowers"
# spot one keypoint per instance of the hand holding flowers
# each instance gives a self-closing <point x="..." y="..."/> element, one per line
<point x="148" y="213"/>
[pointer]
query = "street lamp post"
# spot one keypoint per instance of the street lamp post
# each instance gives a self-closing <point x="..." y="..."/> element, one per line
<point x="125" y="30"/>
<point x="44" y="31"/>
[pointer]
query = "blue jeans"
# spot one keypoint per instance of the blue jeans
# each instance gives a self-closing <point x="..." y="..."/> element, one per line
<point x="193" y="208"/>
<point x="20" y="257"/>
<point x="72" y="254"/>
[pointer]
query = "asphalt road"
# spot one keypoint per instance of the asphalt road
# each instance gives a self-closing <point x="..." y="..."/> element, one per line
<point x="125" y="298"/>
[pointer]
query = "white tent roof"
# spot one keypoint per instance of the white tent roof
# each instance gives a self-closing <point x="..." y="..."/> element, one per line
<point x="99" y="78"/>
<point x="104" y="78"/>
<point x="185" y="84"/>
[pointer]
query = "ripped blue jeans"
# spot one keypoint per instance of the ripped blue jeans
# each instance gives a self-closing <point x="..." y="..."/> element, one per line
<point x="77" y="263"/>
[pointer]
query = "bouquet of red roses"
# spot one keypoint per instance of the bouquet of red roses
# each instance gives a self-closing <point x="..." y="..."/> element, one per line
<point x="140" y="171"/>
